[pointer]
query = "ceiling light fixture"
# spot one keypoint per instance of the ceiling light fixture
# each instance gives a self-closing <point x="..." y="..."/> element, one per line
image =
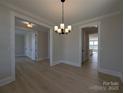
<point x="61" y="29"/>
<point x="29" y="25"/>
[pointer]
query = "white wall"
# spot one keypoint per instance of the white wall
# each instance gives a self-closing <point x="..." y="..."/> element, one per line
<point x="67" y="47"/>
<point x="4" y="43"/>
<point x="19" y="45"/>
<point x="111" y="44"/>
<point x="43" y="46"/>
<point x="58" y="49"/>
<point x="33" y="46"/>
<point x="71" y="47"/>
<point x="7" y="70"/>
<point x="30" y="44"/>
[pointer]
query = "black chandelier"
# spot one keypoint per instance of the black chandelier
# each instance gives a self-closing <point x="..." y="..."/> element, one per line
<point x="61" y="29"/>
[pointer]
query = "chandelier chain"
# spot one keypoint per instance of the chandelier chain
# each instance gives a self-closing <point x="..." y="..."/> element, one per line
<point x="62" y="12"/>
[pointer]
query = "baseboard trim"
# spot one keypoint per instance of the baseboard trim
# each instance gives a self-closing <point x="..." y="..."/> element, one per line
<point x="6" y="81"/>
<point x="110" y="72"/>
<point x="102" y="70"/>
<point x="55" y="63"/>
<point x="70" y="63"/>
<point x="40" y="59"/>
<point x="20" y="55"/>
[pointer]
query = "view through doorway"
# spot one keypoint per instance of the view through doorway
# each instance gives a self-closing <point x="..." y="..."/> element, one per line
<point x="93" y="47"/>
<point x="31" y="42"/>
<point x="90" y="45"/>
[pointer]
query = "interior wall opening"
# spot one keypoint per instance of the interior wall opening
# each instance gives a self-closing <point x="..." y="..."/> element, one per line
<point x="90" y="45"/>
<point x="93" y="47"/>
<point x="31" y="43"/>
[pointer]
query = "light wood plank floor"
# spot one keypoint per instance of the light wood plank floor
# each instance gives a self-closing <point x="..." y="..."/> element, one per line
<point x="41" y="78"/>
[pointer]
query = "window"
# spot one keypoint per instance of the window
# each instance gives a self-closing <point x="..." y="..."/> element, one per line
<point x="93" y="44"/>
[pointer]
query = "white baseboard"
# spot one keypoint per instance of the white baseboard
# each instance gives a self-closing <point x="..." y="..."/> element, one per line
<point x="110" y="72"/>
<point x="55" y="63"/>
<point x="106" y="71"/>
<point x="71" y="63"/>
<point x="40" y="59"/>
<point x="67" y="62"/>
<point x="6" y="81"/>
<point x="20" y="55"/>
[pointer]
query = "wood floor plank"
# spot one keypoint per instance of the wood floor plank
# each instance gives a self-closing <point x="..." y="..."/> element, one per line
<point x="39" y="77"/>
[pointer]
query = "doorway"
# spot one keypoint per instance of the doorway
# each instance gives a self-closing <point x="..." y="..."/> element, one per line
<point x="25" y="46"/>
<point x="93" y="47"/>
<point x="90" y="44"/>
<point x="12" y="37"/>
<point x="31" y="42"/>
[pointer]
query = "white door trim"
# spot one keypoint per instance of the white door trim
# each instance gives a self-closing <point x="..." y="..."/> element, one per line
<point x="80" y="40"/>
<point x="12" y="38"/>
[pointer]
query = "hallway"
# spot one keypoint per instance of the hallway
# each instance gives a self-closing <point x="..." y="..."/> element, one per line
<point x="93" y="60"/>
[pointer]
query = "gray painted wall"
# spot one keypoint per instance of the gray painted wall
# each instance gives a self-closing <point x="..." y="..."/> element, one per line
<point x="43" y="51"/>
<point x="4" y="43"/>
<point x="58" y="48"/>
<point x="111" y="44"/>
<point x="30" y="44"/>
<point x="19" y="45"/>
<point x="67" y="47"/>
<point x="5" y="55"/>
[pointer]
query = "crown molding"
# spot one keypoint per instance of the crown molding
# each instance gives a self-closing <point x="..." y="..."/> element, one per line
<point x="25" y="29"/>
<point x="96" y="18"/>
<point x="19" y="10"/>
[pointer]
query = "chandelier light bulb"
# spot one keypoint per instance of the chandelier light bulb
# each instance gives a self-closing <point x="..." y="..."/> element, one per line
<point x="59" y="31"/>
<point x="62" y="26"/>
<point x="55" y="28"/>
<point x="66" y="30"/>
<point x="69" y="27"/>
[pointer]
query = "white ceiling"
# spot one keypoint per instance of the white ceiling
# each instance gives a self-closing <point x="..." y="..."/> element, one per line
<point x="19" y="23"/>
<point x="75" y="10"/>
